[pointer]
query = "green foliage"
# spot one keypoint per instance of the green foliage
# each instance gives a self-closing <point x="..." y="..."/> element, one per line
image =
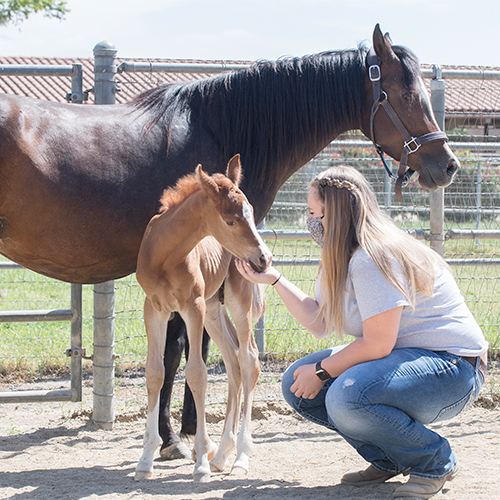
<point x="16" y="11"/>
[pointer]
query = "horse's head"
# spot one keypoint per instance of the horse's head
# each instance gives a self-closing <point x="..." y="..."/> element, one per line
<point x="234" y="226"/>
<point x="401" y="121"/>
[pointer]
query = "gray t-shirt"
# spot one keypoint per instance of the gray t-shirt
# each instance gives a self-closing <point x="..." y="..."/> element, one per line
<point x="441" y="322"/>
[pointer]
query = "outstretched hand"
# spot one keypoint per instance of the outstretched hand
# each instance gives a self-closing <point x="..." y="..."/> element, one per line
<point x="267" y="277"/>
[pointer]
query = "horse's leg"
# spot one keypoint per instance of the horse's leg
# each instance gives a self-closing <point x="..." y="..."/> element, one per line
<point x="223" y="334"/>
<point x="172" y="447"/>
<point x="196" y="376"/>
<point x="156" y="325"/>
<point x="239" y="299"/>
<point x="188" y="428"/>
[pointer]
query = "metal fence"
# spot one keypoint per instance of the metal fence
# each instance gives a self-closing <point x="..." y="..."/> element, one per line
<point x="471" y="228"/>
<point x="74" y="313"/>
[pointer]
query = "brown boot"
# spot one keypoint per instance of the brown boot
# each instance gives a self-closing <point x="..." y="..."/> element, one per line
<point x="421" y="487"/>
<point x="367" y="477"/>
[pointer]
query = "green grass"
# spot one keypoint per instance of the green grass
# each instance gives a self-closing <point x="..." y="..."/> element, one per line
<point x="38" y="348"/>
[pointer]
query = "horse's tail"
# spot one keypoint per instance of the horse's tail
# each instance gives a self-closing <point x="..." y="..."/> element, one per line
<point x="258" y="301"/>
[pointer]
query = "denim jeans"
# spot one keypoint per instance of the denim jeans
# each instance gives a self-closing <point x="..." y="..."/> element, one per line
<point x="381" y="407"/>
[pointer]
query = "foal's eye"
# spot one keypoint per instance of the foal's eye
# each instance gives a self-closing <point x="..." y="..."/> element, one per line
<point x="230" y="223"/>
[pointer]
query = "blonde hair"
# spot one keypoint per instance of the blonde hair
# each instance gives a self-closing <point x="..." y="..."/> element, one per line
<point x="353" y="219"/>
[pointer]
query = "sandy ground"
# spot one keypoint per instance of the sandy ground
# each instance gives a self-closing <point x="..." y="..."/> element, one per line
<point x="53" y="451"/>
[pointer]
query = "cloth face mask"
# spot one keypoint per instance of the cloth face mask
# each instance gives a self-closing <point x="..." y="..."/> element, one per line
<point x="315" y="227"/>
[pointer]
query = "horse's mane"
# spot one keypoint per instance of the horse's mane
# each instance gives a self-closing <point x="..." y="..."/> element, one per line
<point x="184" y="187"/>
<point x="175" y="194"/>
<point x="272" y="112"/>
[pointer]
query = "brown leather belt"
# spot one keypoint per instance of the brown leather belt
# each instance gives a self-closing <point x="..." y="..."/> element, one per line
<point x="483" y="369"/>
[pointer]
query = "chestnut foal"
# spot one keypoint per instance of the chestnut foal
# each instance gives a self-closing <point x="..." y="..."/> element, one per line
<point x="185" y="256"/>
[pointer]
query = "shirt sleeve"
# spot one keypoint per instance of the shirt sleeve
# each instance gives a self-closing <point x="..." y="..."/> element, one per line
<point x="373" y="292"/>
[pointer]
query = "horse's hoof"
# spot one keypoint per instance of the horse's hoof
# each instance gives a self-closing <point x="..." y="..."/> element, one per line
<point x="174" y="452"/>
<point x="201" y="477"/>
<point x="141" y="475"/>
<point x="215" y="468"/>
<point x="238" y="471"/>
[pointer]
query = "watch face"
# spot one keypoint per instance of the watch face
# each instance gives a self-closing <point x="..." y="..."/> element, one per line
<point x="320" y="373"/>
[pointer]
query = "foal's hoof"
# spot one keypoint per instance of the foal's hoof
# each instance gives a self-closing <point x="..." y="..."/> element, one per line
<point x="141" y="475"/>
<point x="201" y="477"/>
<point x="174" y="452"/>
<point x="238" y="471"/>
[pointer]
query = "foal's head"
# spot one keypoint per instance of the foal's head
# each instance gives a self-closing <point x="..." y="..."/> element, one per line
<point x="234" y="226"/>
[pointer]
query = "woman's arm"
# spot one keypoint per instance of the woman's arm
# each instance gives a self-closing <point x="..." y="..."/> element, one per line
<point x="301" y="306"/>
<point x="380" y="333"/>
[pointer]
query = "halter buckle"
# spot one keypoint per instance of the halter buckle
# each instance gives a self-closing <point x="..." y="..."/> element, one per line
<point x="412" y="143"/>
<point x="374" y="73"/>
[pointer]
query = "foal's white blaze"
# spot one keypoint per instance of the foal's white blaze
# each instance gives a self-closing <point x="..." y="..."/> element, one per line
<point x="248" y="215"/>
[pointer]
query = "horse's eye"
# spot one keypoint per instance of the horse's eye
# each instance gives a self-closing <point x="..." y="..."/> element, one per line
<point x="230" y="223"/>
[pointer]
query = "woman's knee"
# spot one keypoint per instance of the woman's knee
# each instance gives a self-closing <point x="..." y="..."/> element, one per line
<point x="288" y="379"/>
<point x="344" y="405"/>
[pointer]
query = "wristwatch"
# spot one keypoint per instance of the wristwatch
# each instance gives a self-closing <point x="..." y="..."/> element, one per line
<point x="321" y="373"/>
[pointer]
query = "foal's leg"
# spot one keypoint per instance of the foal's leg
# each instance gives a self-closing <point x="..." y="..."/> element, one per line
<point x="239" y="300"/>
<point x="156" y="325"/>
<point x="223" y="334"/>
<point x="196" y="376"/>
<point x="188" y="429"/>
<point x="172" y="447"/>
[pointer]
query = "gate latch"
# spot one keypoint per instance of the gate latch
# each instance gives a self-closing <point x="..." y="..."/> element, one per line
<point x="78" y="353"/>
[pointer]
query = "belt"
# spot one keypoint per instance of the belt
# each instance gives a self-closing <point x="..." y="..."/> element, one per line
<point x="483" y="369"/>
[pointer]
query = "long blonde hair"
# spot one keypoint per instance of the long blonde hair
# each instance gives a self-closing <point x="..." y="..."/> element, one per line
<point x="353" y="219"/>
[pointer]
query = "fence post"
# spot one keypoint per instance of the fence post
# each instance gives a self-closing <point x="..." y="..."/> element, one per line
<point x="76" y="342"/>
<point x="436" y="199"/>
<point x="77" y="96"/>
<point x="104" y="300"/>
<point x="388" y="191"/>
<point x="260" y="326"/>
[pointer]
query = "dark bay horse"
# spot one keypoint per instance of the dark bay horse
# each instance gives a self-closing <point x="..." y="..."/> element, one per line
<point x="185" y="256"/>
<point x="79" y="184"/>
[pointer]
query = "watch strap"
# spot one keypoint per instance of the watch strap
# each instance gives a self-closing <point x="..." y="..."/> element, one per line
<point x="321" y="373"/>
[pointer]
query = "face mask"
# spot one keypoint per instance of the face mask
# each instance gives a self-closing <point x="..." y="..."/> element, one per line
<point x="315" y="227"/>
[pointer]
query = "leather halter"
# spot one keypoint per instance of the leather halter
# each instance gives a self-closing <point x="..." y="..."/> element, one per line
<point x="411" y="144"/>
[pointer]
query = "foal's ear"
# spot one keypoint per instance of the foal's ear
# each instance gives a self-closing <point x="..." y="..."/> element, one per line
<point x="382" y="45"/>
<point x="207" y="184"/>
<point x="233" y="171"/>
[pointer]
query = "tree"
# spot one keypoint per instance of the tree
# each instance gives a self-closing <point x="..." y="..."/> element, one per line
<point x="16" y="11"/>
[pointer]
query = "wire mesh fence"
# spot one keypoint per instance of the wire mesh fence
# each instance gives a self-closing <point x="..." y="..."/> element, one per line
<point x="472" y="202"/>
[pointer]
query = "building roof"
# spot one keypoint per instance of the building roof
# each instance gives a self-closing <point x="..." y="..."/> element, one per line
<point x="472" y="99"/>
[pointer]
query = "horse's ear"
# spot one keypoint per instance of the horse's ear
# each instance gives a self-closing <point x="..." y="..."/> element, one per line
<point x="382" y="46"/>
<point x="207" y="184"/>
<point x="233" y="171"/>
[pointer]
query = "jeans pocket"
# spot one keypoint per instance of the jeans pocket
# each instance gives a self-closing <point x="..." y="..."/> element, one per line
<point x="456" y="408"/>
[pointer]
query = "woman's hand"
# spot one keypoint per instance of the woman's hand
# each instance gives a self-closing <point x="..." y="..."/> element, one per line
<point x="267" y="277"/>
<point x="307" y="384"/>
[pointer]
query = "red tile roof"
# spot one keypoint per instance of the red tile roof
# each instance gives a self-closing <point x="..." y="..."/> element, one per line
<point x="476" y="97"/>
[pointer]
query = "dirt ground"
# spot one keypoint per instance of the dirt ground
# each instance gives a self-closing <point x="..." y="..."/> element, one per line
<point x="53" y="451"/>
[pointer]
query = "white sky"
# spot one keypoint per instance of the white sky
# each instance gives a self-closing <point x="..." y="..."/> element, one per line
<point x="448" y="32"/>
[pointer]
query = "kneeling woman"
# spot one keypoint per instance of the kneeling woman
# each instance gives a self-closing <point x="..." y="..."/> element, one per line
<point x="418" y="356"/>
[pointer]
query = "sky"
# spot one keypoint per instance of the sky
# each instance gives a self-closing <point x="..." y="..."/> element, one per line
<point x="443" y="32"/>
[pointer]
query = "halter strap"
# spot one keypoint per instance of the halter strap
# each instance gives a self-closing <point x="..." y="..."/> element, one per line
<point x="411" y="144"/>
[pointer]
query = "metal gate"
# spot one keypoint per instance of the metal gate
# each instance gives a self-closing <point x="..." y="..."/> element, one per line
<point x="74" y="314"/>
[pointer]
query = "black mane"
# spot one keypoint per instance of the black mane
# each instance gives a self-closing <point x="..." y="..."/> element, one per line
<point x="260" y="111"/>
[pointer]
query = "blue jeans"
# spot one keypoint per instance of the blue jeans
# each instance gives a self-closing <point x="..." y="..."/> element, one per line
<point x="381" y="407"/>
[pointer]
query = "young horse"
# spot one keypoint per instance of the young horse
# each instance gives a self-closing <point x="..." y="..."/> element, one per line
<point x="184" y="258"/>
